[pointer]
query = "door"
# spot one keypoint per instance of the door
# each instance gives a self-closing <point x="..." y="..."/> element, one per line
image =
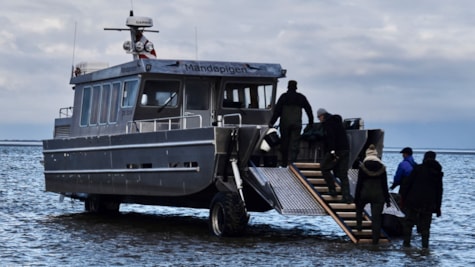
<point x="197" y="102"/>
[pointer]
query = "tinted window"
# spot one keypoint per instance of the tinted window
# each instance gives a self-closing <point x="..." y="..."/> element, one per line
<point x="86" y="104"/>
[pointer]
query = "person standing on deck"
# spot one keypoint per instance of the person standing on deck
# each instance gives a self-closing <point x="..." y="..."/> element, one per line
<point x="289" y="110"/>
<point x="372" y="187"/>
<point x="336" y="155"/>
<point x="421" y="196"/>
<point x="404" y="168"/>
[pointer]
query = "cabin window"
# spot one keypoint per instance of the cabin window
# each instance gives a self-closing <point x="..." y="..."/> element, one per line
<point x="160" y="93"/>
<point x="130" y="93"/>
<point x="197" y="95"/>
<point x="95" y="103"/>
<point x="114" y="102"/>
<point x="105" y="100"/>
<point x="86" y="104"/>
<point x="251" y="96"/>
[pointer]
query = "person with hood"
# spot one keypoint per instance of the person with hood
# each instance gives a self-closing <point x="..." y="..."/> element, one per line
<point x="289" y="110"/>
<point x="336" y="153"/>
<point x="421" y="195"/>
<point x="372" y="188"/>
<point x="404" y="168"/>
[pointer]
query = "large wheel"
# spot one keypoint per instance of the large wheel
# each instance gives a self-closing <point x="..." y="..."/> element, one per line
<point x="227" y="215"/>
<point x="98" y="204"/>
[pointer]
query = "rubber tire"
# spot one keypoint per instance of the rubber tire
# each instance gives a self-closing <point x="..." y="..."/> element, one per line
<point x="227" y="215"/>
<point x="98" y="204"/>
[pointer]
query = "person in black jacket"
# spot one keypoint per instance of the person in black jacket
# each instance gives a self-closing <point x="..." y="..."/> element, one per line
<point x="372" y="188"/>
<point x="336" y="153"/>
<point x="289" y="109"/>
<point x="421" y="196"/>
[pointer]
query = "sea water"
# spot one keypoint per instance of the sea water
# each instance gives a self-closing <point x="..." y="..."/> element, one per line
<point x="37" y="229"/>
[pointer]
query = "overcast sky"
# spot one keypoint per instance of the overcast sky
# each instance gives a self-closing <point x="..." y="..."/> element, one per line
<point x="403" y="66"/>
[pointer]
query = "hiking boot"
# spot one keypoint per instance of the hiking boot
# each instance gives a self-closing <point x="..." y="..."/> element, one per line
<point x="348" y="199"/>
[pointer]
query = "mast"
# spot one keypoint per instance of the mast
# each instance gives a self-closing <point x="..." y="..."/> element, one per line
<point x="139" y="46"/>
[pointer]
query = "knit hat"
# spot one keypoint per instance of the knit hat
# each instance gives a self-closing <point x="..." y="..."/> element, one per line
<point x="292" y="85"/>
<point x="371" y="151"/>
<point x="372" y="154"/>
<point x="321" y="111"/>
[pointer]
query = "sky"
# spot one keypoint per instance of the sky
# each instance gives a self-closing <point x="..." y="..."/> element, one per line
<point x="404" y="66"/>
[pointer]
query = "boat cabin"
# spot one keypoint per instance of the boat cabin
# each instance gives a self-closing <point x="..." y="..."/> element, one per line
<point x="152" y="95"/>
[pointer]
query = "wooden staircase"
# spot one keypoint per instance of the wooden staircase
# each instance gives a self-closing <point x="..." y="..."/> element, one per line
<point x="344" y="214"/>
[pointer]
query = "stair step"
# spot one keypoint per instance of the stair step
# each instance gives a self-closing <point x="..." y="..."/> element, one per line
<point x="369" y="241"/>
<point x="363" y="232"/>
<point x="324" y="189"/>
<point x="346" y="214"/>
<point x="317" y="181"/>
<point x="307" y="165"/>
<point x="353" y="223"/>
<point x="312" y="173"/>
<point x="342" y="206"/>
<point x="330" y="199"/>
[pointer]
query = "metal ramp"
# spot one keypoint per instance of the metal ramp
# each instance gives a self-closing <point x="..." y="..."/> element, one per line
<point x="285" y="192"/>
<point x="301" y="190"/>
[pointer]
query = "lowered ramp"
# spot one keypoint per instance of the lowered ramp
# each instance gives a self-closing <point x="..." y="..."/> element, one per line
<point x="301" y="190"/>
<point x="284" y="191"/>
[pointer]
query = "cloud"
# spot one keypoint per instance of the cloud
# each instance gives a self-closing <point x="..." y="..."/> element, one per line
<point x="385" y="61"/>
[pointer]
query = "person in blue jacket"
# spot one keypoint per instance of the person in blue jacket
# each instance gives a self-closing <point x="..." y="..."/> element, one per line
<point x="404" y="168"/>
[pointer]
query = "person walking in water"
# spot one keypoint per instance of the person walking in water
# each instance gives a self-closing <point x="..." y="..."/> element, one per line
<point x="372" y="187"/>
<point x="404" y="168"/>
<point x="421" y="196"/>
<point x="336" y="155"/>
<point x="289" y="110"/>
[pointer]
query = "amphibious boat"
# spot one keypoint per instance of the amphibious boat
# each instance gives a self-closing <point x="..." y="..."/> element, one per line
<point x="186" y="133"/>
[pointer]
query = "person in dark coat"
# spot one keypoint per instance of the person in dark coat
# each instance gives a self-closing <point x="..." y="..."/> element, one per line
<point x="372" y="188"/>
<point x="421" y="196"/>
<point x="289" y="110"/>
<point x="336" y="153"/>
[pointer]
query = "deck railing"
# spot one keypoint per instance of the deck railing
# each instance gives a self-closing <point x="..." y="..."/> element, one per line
<point x="66" y="112"/>
<point x="163" y="124"/>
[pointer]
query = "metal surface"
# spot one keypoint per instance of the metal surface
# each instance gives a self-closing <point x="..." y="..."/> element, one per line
<point x="289" y="191"/>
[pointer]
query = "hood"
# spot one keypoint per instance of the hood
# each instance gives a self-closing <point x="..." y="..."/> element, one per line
<point x="373" y="167"/>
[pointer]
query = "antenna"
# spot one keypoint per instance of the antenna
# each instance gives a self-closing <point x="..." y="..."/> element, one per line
<point x="196" y="42"/>
<point x="74" y="47"/>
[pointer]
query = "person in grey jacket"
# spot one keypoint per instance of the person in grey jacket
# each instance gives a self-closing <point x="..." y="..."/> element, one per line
<point x="372" y="188"/>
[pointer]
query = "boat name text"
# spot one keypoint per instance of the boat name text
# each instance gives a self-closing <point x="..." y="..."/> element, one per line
<point x="215" y="69"/>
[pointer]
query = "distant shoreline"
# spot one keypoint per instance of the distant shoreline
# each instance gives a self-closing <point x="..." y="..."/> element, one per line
<point x="20" y="143"/>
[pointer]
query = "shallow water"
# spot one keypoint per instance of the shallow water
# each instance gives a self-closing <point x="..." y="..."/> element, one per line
<point x="37" y="229"/>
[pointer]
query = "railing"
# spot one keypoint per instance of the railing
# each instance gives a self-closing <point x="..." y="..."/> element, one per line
<point x="65" y="112"/>
<point x="162" y="124"/>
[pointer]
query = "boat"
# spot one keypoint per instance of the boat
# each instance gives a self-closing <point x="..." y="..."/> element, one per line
<point x="180" y="133"/>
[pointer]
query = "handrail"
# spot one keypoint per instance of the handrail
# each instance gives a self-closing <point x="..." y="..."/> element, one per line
<point x="66" y="112"/>
<point x="233" y="115"/>
<point x="138" y="125"/>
